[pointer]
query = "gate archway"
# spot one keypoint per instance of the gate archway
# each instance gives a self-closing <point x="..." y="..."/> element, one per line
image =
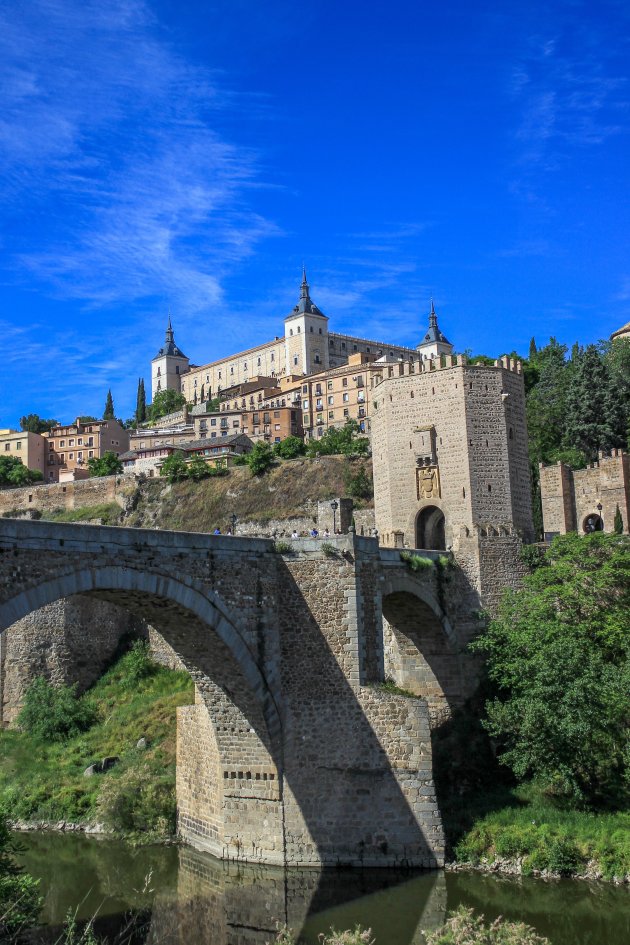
<point x="431" y="529"/>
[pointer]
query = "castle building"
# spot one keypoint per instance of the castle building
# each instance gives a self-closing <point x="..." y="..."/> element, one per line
<point x="449" y="450"/>
<point x="307" y="347"/>
<point x="586" y="500"/>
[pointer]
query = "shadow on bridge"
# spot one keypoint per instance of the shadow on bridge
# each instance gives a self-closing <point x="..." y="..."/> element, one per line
<point x="286" y="757"/>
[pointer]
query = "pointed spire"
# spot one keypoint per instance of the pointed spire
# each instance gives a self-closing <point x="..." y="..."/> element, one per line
<point x="432" y="316"/>
<point x="304" y="288"/>
<point x="169" y="330"/>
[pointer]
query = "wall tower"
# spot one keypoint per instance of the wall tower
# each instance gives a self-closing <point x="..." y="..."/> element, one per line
<point x="306" y="335"/>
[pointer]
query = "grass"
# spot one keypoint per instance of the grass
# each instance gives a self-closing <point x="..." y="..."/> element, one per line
<point x="522" y="822"/>
<point x="43" y="781"/>
<point x="105" y="513"/>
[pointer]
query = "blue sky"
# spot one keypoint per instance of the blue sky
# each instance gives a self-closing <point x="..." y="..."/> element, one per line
<point x="158" y="154"/>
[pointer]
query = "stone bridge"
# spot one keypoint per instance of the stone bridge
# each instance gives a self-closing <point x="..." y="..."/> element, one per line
<point x="292" y="753"/>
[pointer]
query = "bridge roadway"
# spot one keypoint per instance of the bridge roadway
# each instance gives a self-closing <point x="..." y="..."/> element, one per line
<point x="292" y="753"/>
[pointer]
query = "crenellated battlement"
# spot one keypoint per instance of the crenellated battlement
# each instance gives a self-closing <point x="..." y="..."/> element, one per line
<point x="444" y="362"/>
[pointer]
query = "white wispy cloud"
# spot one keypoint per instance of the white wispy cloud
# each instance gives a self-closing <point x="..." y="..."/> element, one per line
<point x="106" y="128"/>
<point x="568" y="90"/>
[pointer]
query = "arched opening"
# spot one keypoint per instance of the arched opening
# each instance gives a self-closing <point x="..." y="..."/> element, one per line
<point x="593" y="523"/>
<point x="430" y="529"/>
<point x="418" y="655"/>
<point x="229" y="741"/>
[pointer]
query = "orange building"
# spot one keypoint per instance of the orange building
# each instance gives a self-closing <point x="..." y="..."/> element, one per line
<point x="69" y="447"/>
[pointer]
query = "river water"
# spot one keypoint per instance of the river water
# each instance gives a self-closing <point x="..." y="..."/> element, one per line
<point x="188" y="898"/>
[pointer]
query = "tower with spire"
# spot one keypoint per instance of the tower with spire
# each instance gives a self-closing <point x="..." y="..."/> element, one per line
<point x="306" y="335"/>
<point x="434" y="342"/>
<point x="169" y="364"/>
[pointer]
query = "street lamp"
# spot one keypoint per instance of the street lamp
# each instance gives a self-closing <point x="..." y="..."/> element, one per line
<point x="599" y="510"/>
<point x="334" y="506"/>
<point x="234" y="520"/>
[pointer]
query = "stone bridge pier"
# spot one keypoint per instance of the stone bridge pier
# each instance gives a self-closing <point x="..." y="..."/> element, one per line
<point x="292" y="754"/>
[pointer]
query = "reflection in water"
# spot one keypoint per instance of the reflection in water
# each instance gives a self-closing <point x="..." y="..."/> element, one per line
<point x="185" y="898"/>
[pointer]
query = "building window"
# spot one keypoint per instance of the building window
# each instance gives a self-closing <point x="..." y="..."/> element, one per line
<point x="331" y="414"/>
<point x="317" y="359"/>
<point x="291" y="331"/>
<point x="276" y="413"/>
<point x="346" y="412"/>
<point x="62" y="443"/>
<point x="273" y="357"/>
<point x="311" y="329"/>
<point x="346" y="397"/>
<point x="343" y="345"/>
<point x="231" y="370"/>
<point x="90" y="454"/>
<point x="344" y="382"/>
<point x="70" y="455"/>
<point x="70" y="442"/>
<point x="299" y="330"/>
<point x="295" y="359"/>
<point x="331" y="401"/>
<point x="7" y="447"/>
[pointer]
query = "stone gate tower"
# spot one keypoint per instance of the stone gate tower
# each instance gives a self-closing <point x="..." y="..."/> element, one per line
<point x="450" y="452"/>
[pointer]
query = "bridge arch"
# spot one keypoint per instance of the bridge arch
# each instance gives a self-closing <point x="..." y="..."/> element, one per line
<point x="420" y="649"/>
<point x="142" y="590"/>
<point x="230" y="741"/>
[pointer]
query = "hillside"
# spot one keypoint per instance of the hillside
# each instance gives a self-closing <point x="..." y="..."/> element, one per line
<point x="291" y="489"/>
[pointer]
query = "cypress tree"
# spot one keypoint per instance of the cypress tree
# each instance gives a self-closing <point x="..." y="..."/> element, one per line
<point x="533" y="350"/>
<point x="108" y="413"/>
<point x="141" y="403"/>
<point x="618" y="522"/>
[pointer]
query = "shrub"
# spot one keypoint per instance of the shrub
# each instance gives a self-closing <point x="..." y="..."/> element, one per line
<point x="260" y="459"/>
<point x="282" y="547"/>
<point x="359" y="485"/>
<point x="463" y="927"/>
<point x="329" y="550"/>
<point x="107" y="465"/>
<point x="133" y="801"/>
<point x="54" y="713"/>
<point x="290" y="447"/>
<point x="416" y="562"/>
<point x="20" y="901"/>
<point x="174" y="467"/>
<point x="357" y="936"/>
<point x="136" y="664"/>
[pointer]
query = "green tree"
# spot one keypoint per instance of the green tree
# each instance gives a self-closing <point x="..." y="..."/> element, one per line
<point x="33" y="423"/>
<point x="557" y="655"/>
<point x="594" y="419"/>
<point x="141" y="403"/>
<point x="617" y="357"/>
<point x="618" y="522"/>
<point x="108" y="465"/>
<point x="87" y="419"/>
<point x="290" y="447"/>
<point x="198" y="468"/>
<point x="260" y="458"/>
<point x="345" y="440"/>
<point x="108" y="413"/>
<point x="174" y="468"/>
<point x="165" y="402"/>
<point x="13" y="472"/>
<point x="533" y="350"/>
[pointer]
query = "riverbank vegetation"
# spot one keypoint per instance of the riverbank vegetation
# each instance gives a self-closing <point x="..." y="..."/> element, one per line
<point x="129" y="714"/>
<point x="542" y="781"/>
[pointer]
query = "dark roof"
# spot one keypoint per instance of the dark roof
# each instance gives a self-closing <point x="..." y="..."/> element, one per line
<point x="169" y="347"/>
<point x="215" y="441"/>
<point x="305" y="304"/>
<point x="434" y="333"/>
